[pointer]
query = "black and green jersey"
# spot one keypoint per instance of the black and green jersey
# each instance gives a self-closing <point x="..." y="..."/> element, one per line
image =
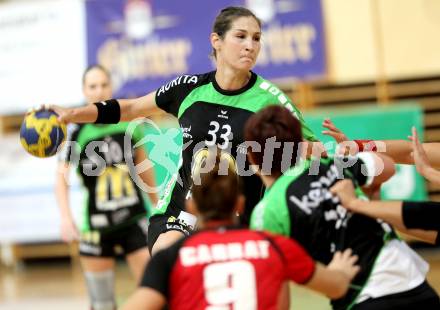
<point x="210" y="116"/>
<point x="300" y="205"/>
<point x="105" y="166"/>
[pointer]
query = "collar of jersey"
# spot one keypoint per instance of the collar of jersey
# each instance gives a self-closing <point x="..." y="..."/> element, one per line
<point x="248" y="86"/>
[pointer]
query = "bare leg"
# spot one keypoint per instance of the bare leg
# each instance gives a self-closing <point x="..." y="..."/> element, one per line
<point x="137" y="261"/>
<point x="166" y="239"/>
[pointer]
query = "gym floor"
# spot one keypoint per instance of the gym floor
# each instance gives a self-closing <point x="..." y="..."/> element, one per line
<point x="58" y="284"/>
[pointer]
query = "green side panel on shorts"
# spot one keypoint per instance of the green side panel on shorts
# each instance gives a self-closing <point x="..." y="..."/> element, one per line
<point x="272" y="213"/>
<point x="266" y="92"/>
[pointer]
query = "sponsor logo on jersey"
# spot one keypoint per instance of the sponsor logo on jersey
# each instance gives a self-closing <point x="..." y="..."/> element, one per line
<point x="171" y="219"/>
<point x="223" y="114"/>
<point x="99" y="220"/>
<point x="184" y="79"/>
<point x="179" y="227"/>
<point x="186" y="132"/>
<point x="318" y="193"/>
<point x="205" y="254"/>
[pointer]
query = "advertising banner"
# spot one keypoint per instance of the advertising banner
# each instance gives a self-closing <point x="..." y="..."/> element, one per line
<point x="146" y="43"/>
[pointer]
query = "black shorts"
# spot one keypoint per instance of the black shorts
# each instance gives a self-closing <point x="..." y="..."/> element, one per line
<point x="162" y="223"/>
<point x="129" y="238"/>
<point x="421" y="297"/>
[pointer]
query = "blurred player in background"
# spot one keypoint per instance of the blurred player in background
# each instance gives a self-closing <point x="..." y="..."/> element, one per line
<point x="299" y="204"/>
<point x="114" y="213"/>
<point x="223" y="266"/>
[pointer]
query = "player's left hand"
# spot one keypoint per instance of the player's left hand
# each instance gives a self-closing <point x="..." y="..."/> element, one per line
<point x="333" y="131"/>
<point x="420" y="158"/>
<point x="345" y="145"/>
<point x="345" y="262"/>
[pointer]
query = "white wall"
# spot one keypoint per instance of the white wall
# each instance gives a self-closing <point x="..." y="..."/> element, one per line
<point x="42" y="53"/>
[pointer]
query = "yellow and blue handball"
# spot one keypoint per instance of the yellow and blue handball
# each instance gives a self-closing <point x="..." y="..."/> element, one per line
<point x="41" y="133"/>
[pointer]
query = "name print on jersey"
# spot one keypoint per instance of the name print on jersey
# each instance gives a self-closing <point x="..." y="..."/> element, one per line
<point x="220" y="252"/>
<point x="184" y="79"/>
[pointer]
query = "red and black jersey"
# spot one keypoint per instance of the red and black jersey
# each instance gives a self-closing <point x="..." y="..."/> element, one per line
<point x="227" y="267"/>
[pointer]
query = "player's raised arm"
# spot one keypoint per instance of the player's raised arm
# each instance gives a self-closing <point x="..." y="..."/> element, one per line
<point x="397" y="213"/>
<point x="399" y="150"/>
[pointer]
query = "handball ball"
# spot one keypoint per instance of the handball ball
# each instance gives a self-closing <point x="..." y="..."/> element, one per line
<point x="41" y="133"/>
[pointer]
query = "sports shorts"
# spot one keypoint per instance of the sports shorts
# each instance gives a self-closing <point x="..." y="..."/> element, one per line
<point x="184" y="222"/>
<point x="421" y="297"/>
<point x="128" y="238"/>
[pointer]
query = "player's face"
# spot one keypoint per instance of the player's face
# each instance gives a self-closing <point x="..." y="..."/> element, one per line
<point x="241" y="44"/>
<point x="97" y="86"/>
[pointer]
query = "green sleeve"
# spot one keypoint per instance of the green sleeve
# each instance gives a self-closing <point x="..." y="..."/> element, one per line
<point x="308" y="134"/>
<point x="271" y="216"/>
<point x="306" y="131"/>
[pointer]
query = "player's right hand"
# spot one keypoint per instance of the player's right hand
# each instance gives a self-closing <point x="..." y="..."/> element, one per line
<point x="345" y="263"/>
<point x="63" y="113"/>
<point x="344" y="189"/>
<point x="421" y="160"/>
<point x="345" y="145"/>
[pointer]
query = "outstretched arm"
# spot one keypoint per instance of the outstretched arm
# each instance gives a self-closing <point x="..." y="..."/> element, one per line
<point x="399" y="150"/>
<point x="389" y="211"/>
<point x="333" y="280"/>
<point x="130" y="109"/>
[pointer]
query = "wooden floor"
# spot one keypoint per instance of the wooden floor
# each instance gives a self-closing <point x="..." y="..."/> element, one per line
<point x="58" y="284"/>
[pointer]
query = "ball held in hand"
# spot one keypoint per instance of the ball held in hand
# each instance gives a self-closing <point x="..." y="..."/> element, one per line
<point x="41" y="133"/>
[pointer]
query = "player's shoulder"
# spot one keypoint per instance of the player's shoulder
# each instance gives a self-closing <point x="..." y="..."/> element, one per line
<point x="272" y="93"/>
<point x="186" y="81"/>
